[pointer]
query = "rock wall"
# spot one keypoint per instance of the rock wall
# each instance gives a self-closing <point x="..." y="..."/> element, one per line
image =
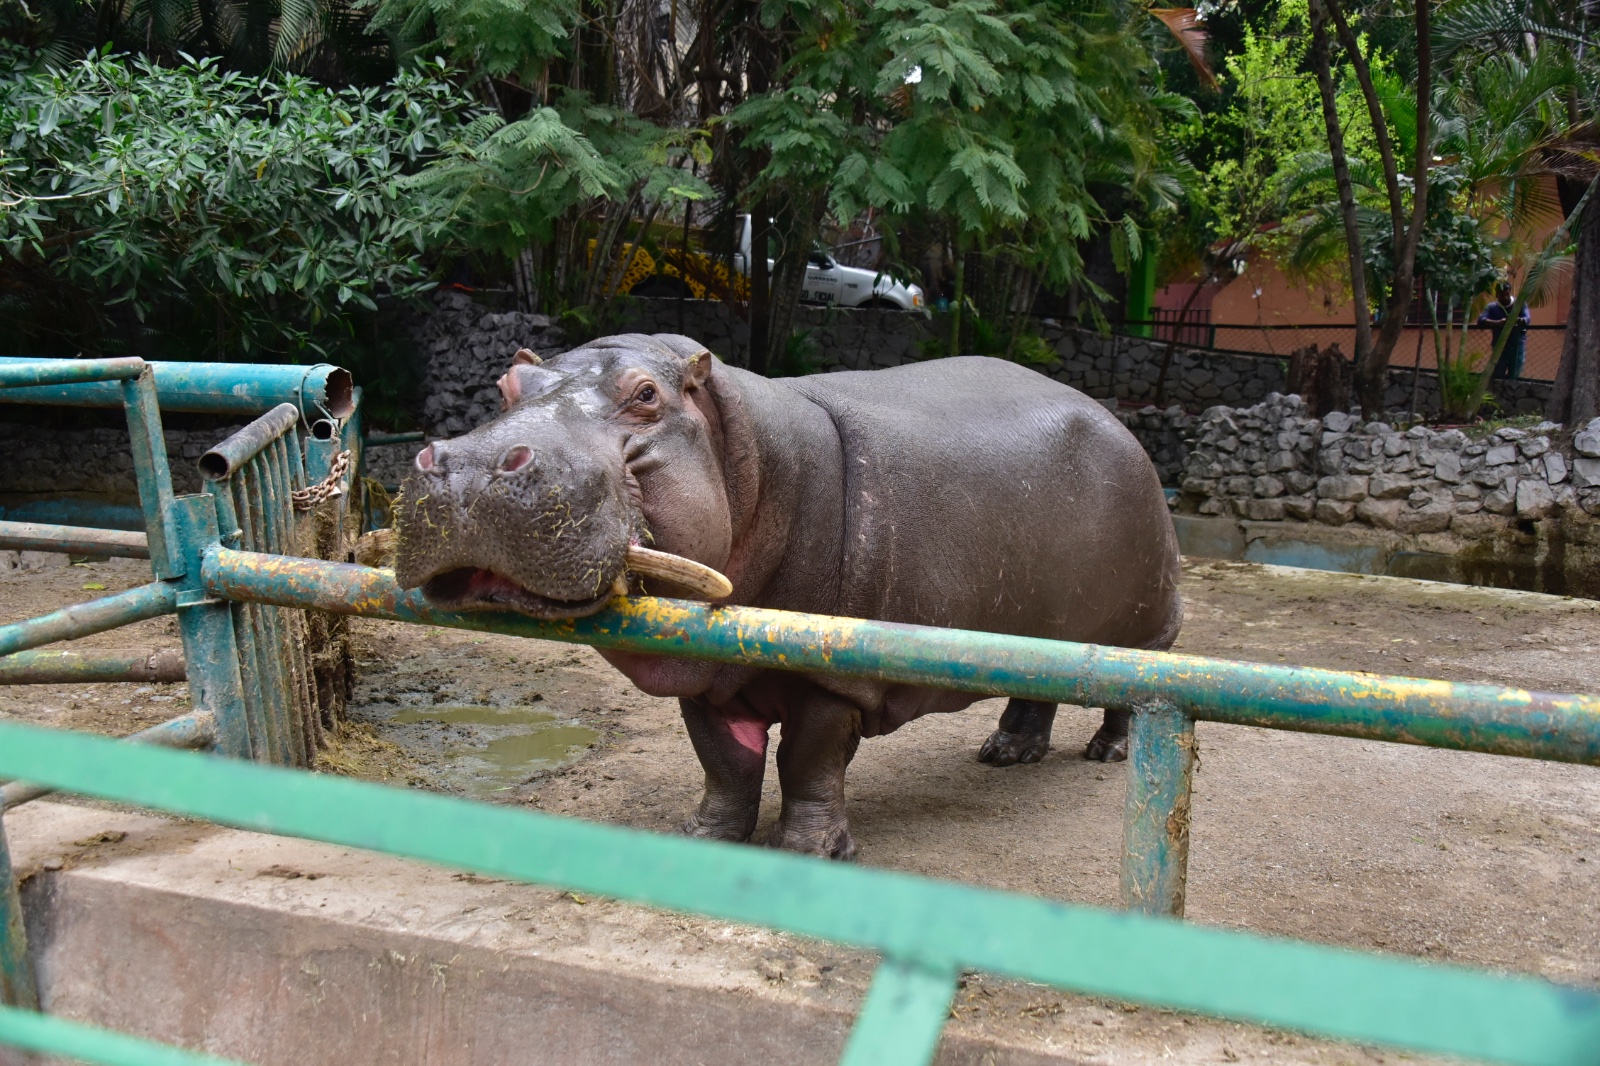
<point x="50" y="459"/>
<point x="465" y="349"/>
<point x="1271" y="462"/>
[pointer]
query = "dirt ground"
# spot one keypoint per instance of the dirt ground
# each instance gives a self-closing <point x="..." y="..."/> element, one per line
<point x="1443" y="855"/>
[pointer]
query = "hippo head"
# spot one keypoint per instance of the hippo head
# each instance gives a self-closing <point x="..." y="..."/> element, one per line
<point x="547" y="509"/>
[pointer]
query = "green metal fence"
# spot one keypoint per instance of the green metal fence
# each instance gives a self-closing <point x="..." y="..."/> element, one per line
<point x="210" y="569"/>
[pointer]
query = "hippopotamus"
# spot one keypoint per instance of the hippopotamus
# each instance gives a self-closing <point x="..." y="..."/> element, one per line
<point x="964" y="492"/>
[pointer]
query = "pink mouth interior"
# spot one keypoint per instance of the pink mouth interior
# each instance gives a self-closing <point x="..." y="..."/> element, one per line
<point x="486" y="585"/>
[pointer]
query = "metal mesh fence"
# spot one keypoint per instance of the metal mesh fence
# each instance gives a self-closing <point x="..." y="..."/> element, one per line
<point x="1416" y="347"/>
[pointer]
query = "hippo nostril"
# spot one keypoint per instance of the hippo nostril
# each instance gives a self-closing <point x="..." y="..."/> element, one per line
<point x="515" y="459"/>
<point x="431" y="458"/>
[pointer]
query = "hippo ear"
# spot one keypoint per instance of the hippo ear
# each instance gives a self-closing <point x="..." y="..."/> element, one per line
<point x="526" y="355"/>
<point x="696" y="369"/>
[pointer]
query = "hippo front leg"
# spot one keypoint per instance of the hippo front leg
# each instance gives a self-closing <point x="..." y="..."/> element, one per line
<point x="820" y="737"/>
<point x="1023" y="735"/>
<point x="731" y="742"/>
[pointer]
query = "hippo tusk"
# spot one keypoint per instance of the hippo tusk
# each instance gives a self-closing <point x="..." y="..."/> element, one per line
<point x="687" y="574"/>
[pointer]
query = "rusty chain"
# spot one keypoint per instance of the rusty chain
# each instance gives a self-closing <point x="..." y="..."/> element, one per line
<point x="332" y="485"/>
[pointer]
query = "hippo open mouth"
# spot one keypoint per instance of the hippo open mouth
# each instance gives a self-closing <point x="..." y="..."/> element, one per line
<point x="474" y="589"/>
<point x="470" y="588"/>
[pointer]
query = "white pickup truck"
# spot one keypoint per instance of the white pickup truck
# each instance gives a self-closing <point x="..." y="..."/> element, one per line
<point x="829" y="283"/>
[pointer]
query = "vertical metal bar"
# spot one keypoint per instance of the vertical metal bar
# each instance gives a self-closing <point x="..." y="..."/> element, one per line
<point x="247" y="621"/>
<point x="266" y="636"/>
<point x="1155" y="826"/>
<point x="231" y="534"/>
<point x="17" y="987"/>
<point x="149" y="449"/>
<point x="903" y="1016"/>
<point x="210" y="648"/>
<point x="301" y="526"/>
<point x="287" y="621"/>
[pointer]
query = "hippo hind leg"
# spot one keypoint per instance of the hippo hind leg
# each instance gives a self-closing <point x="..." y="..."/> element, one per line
<point x="1110" y="741"/>
<point x="1023" y="736"/>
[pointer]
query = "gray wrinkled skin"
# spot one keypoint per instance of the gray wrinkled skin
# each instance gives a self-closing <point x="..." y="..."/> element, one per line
<point x="970" y="493"/>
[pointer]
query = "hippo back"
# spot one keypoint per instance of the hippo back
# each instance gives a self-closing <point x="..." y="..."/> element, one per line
<point x="980" y="494"/>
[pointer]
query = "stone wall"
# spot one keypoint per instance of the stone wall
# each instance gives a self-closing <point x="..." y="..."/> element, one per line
<point x="1272" y="462"/>
<point x="1105" y="367"/>
<point x="462" y="347"/>
<point x="45" y="458"/>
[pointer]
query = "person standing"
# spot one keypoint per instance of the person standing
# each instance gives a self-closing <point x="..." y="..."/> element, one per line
<point x="1494" y="317"/>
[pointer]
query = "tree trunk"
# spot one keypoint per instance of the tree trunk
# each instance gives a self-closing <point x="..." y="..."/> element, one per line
<point x="1321" y="64"/>
<point x="961" y="296"/>
<point x="760" y="288"/>
<point x="1575" y="398"/>
<point x="798" y="224"/>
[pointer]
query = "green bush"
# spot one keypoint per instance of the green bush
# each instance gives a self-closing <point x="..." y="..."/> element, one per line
<point x="192" y="212"/>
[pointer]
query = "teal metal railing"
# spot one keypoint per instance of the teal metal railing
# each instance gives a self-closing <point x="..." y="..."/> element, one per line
<point x="927" y="931"/>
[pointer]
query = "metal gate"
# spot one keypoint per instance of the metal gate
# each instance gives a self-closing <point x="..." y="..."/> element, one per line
<point x="219" y="564"/>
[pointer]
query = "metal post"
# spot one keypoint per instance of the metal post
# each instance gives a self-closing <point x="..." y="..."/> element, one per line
<point x="903" y="1016"/>
<point x="206" y="625"/>
<point x="17" y="988"/>
<point x="1155" y="824"/>
<point x="149" y="448"/>
<point x="84" y="619"/>
<point x="75" y="667"/>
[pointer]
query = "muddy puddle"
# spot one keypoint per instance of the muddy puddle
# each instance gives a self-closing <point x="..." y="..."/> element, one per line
<point x="484" y="751"/>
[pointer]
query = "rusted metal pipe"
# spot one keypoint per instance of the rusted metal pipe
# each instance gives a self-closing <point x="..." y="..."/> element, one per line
<point x="198" y="730"/>
<point x="73" y="540"/>
<point x="1486" y="718"/>
<point x="211" y="388"/>
<point x="22" y="373"/>
<point x="1155" y="821"/>
<point x="221" y="462"/>
<point x="96" y="616"/>
<point x="68" y="667"/>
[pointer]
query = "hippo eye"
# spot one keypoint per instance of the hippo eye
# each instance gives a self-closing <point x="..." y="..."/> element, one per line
<point x="647" y="394"/>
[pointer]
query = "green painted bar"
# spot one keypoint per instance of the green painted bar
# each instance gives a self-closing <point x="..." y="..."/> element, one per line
<point x="1502" y="721"/>
<point x="278" y="509"/>
<point x="266" y="640"/>
<point x="72" y="667"/>
<point x="19" y="373"/>
<point x="74" y="540"/>
<point x="902" y="1018"/>
<point x="17" y="987"/>
<point x="219" y="388"/>
<point x="1155" y="823"/>
<point x="85" y="1043"/>
<point x="934" y="924"/>
<point x="186" y="731"/>
<point x="96" y="616"/>
<point x="377" y="438"/>
<point x="210" y="648"/>
<point x="242" y="615"/>
<point x="148" y="446"/>
<point x="77" y="510"/>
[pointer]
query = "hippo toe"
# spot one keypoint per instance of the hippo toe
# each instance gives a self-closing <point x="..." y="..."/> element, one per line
<point x="1009" y="749"/>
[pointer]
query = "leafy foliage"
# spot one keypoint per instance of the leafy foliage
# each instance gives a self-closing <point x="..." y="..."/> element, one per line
<point x="240" y="216"/>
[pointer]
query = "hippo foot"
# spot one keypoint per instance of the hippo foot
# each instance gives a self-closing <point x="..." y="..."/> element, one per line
<point x="1009" y="749"/>
<point x="1107" y="746"/>
<point x="709" y="827"/>
<point x="829" y="838"/>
